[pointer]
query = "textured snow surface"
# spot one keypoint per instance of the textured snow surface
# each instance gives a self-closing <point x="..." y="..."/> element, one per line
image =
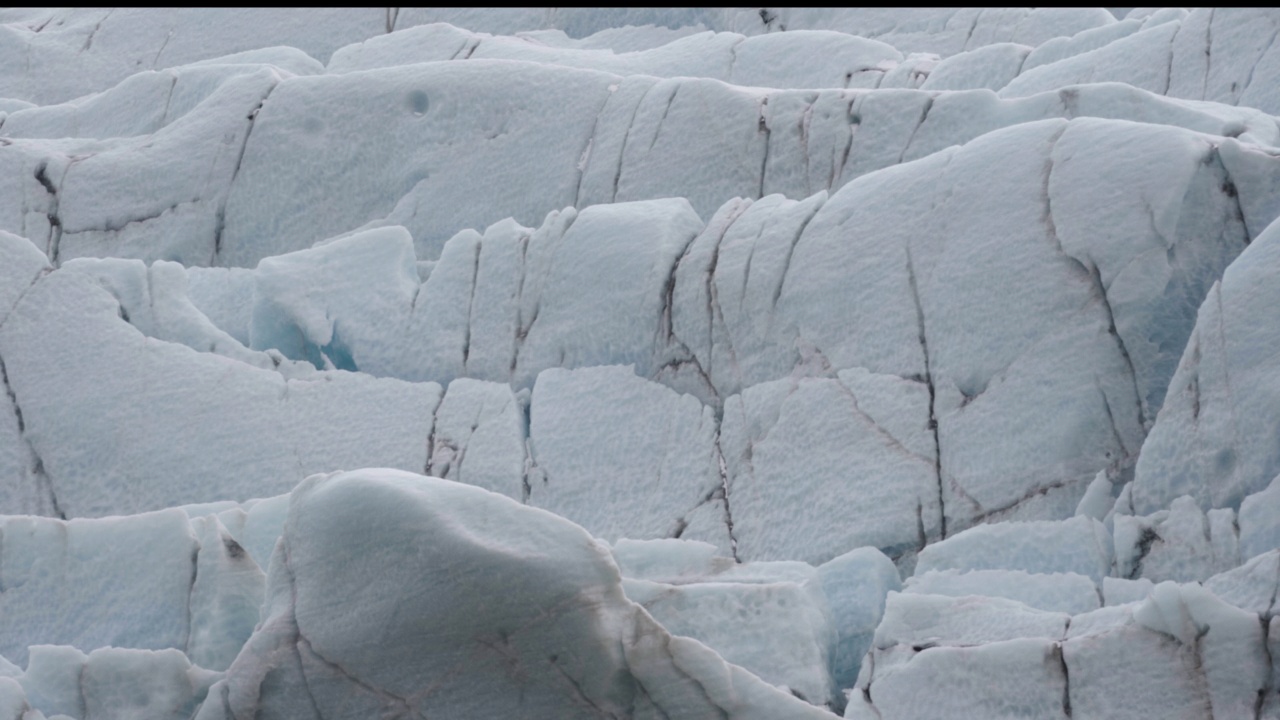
<point x="639" y="363"/>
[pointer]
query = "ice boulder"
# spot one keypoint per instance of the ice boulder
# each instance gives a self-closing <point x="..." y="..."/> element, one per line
<point x="447" y="577"/>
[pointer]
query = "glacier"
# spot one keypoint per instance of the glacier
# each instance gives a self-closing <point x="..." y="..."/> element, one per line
<point x="652" y="363"/>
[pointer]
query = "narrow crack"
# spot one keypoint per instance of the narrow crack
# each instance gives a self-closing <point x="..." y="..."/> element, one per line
<point x="220" y="217"/>
<point x="41" y="477"/>
<point x="471" y="306"/>
<point x="762" y="126"/>
<point x="928" y="378"/>
<point x="626" y="137"/>
<point x="191" y="592"/>
<point x="724" y="486"/>
<point x="88" y="42"/>
<point x="924" y="115"/>
<point x="1249" y="78"/>
<point x="518" y="337"/>
<point x="658" y="130"/>
<point x="55" y="222"/>
<point x="392" y="14"/>
<point x="1266" y="688"/>
<point x="786" y="263"/>
<point x="1208" y="53"/>
<point x="1066" y="672"/>
<point x="431" y="433"/>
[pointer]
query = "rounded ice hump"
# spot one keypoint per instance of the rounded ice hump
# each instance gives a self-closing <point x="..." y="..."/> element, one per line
<point x="390" y="592"/>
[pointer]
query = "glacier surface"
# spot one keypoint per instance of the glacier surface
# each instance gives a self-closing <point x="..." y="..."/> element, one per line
<point x="678" y="363"/>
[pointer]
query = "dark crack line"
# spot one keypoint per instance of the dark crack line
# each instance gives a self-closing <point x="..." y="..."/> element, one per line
<point x="723" y="467"/>
<point x="519" y="331"/>
<point x="924" y="115"/>
<point x="88" y="42"/>
<point x="762" y="126"/>
<point x="55" y="222"/>
<point x="471" y="306"/>
<point x="786" y="263"/>
<point x="1249" y="78"/>
<point x="191" y="594"/>
<point x="220" y="217"/>
<point x="37" y="469"/>
<point x="1208" y="53"/>
<point x="626" y="138"/>
<point x="928" y="378"/>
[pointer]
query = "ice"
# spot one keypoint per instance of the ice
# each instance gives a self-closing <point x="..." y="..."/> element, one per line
<point x="606" y="303"/>
<point x="1141" y="60"/>
<point x="1252" y="586"/>
<point x="1059" y="48"/>
<point x="624" y="457"/>
<point x="800" y="58"/>
<point x="1180" y="544"/>
<point x="1259" y="530"/>
<point x="914" y="619"/>
<point x="479" y="437"/>
<point x="1121" y="591"/>
<point x="991" y="67"/>
<point x="1022" y="678"/>
<point x="668" y="560"/>
<point x="443" y="117"/>
<point x="1070" y="593"/>
<point x="183" y="426"/>
<point x="94" y="583"/>
<point x="775" y="630"/>
<point x="789" y="439"/>
<point x="1211" y="441"/>
<point x="225" y="596"/>
<point x="1080" y="545"/>
<point x="113" y="683"/>
<point x="555" y="637"/>
<point x="855" y="585"/>
<point x="713" y="323"/>
<point x="341" y="305"/>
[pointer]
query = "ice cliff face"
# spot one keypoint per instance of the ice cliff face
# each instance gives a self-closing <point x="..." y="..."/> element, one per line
<point x="639" y="363"/>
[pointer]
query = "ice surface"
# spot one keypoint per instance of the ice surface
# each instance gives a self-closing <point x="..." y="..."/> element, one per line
<point x="714" y="323"/>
